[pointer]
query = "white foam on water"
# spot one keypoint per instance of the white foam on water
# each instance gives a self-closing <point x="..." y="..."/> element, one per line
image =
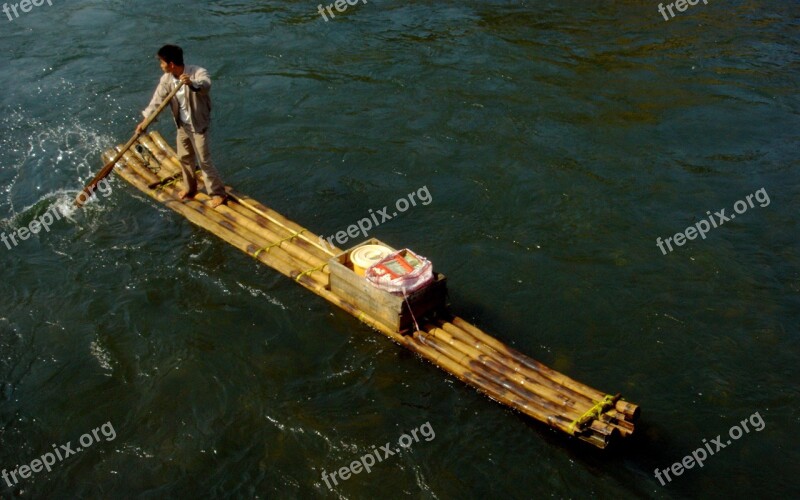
<point x="260" y="293"/>
<point x="102" y="356"/>
<point x="61" y="200"/>
<point x="52" y="157"/>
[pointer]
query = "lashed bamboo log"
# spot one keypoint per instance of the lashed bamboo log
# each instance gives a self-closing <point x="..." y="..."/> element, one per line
<point x="156" y="143"/>
<point x="496" y="365"/>
<point x="274" y="240"/>
<point x="557" y="393"/>
<point x="266" y="239"/>
<point x="610" y="416"/>
<point x="281" y="221"/>
<point x="546" y="371"/>
<point x="208" y="219"/>
<point x="255" y="237"/>
<point x="494" y="392"/>
<point x="280" y="231"/>
<point x="511" y="380"/>
<point x="563" y="394"/>
<point x="625" y="427"/>
<point x="628" y="409"/>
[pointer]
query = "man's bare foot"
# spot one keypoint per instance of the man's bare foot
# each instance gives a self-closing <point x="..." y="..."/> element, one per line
<point x="185" y="195"/>
<point x="217" y="201"/>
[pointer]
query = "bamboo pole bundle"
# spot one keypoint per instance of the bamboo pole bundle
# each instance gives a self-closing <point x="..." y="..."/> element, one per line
<point x="564" y="394"/>
<point x="196" y="212"/>
<point x="599" y="434"/>
<point x="497" y="366"/>
<point x="471" y="358"/>
<point x="544" y="370"/>
<point x="257" y="234"/>
<point x="629" y="410"/>
<point x="497" y="393"/>
<point x="500" y="352"/>
<point x="498" y="385"/>
<point x="504" y="375"/>
<point x="274" y="241"/>
<point x="255" y="237"/>
<point x="297" y="238"/>
<point x="277" y="222"/>
<point x="557" y="393"/>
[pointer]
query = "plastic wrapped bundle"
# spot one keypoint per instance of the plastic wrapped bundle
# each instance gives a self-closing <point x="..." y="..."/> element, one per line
<point x="401" y="272"/>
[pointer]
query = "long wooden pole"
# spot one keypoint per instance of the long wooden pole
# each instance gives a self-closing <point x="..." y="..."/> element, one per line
<point x="246" y="201"/>
<point x="88" y="191"/>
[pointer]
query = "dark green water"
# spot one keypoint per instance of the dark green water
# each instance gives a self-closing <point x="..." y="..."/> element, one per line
<point x="558" y="141"/>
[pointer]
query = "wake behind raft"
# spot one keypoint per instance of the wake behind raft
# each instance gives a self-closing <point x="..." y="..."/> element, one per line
<point x="360" y="281"/>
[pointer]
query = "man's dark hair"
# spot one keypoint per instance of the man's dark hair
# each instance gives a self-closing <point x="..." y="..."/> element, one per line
<point x="171" y="54"/>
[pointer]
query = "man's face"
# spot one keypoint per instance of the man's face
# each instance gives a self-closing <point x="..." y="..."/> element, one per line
<point x="165" y="66"/>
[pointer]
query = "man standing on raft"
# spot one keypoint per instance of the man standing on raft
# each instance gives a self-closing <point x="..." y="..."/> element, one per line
<point x="191" y="109"/>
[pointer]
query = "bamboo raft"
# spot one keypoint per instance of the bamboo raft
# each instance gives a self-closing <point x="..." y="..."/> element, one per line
<point x="453" y="344"/>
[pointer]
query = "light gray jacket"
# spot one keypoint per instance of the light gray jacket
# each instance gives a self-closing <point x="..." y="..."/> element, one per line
<point x="199" y="97"/>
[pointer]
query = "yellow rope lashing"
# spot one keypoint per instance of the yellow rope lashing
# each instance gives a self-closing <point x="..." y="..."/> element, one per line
<point x="167" y="184"/>
<point x="593" y="412"/>
<point x="169" y="181"/>
<point x="310" y="271"/>
<point x="270" y="247"/>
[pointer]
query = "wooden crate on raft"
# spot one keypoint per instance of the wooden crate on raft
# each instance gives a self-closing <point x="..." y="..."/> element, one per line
<point x="390" y="309"/>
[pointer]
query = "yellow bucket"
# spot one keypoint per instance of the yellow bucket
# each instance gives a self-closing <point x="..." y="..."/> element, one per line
<point x="365" y="256"/>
